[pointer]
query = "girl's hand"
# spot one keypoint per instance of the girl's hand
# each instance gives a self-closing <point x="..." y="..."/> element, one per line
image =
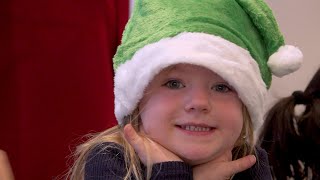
<point x="5" y="168"/>
<point x="148" y="150"/>
<point x="223" y="168"/>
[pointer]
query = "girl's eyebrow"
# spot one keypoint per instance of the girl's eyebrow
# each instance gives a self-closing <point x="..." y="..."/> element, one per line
<point x="179" y="68"/>
<point x="169" y="70"/>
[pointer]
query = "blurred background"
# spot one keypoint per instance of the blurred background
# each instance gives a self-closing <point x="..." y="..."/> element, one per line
<point x="56" y="77"/>
<point x="300" y="25"/>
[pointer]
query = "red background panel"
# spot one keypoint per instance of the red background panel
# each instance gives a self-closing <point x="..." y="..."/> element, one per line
<point x="56" y="78"/>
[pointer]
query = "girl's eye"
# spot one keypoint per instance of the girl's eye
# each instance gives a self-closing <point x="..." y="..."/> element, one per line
<point x="174" y="84"/>
<point x="222" y="88"/>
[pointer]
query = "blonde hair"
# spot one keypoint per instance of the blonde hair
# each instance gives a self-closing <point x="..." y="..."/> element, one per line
<point x="243" y="146"/>
<point x="115" y="135"/>
<point x="245" y="143"/>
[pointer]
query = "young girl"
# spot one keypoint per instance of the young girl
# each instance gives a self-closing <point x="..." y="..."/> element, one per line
<point x="190" y="81"/>
<point x="293" y="140"/>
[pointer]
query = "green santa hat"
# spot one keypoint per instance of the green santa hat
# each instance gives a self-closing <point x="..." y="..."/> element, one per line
<point x="237" y="39"/>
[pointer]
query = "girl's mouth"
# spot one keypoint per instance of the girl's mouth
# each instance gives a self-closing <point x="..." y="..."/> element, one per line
<point x="195" y="128"/>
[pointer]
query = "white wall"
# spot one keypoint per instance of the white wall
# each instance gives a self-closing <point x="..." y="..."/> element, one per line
<point x="300" y="23"/>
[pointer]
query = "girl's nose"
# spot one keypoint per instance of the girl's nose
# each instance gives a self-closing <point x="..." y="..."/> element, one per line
<point x="198" y="100"/>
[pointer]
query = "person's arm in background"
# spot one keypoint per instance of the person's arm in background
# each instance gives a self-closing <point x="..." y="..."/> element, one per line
<point x="5" y="168"/>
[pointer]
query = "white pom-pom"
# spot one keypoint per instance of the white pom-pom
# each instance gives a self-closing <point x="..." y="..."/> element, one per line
<point x="285" y="61"/>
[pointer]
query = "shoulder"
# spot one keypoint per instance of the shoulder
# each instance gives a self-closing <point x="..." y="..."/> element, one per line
<point x="259" y="171"/>
<point x="104" y="160"/>
<point x="262" y="155"/>
<point x="106" y="149"/>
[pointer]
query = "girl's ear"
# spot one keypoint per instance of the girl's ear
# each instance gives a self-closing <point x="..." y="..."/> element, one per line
<point x="242" y="139"/>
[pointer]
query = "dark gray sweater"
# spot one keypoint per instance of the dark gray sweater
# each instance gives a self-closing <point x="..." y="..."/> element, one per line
<point x="108" y="163"/>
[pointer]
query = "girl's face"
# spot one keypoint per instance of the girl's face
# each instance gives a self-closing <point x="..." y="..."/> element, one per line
<point x="192" y="112"/>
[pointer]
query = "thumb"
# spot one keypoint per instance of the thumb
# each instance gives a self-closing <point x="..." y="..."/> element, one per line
<point x="134" y="140"/>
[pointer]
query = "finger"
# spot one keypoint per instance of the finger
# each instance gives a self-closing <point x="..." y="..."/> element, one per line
<point x="134" y="139"/>
<point x="132" y="136"/>
<point x="5" y="168"/>
<point x="242" y="164"/>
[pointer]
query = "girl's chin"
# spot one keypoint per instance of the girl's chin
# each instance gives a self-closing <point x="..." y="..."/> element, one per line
<point x="202" y="157"/>
<point x="194" y="160"/>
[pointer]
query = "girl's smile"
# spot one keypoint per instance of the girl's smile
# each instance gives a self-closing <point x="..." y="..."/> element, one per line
<point x="196" y="129"/>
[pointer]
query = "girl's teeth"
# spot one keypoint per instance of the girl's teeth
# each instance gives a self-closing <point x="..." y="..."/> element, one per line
<point x="195" y="128"/>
